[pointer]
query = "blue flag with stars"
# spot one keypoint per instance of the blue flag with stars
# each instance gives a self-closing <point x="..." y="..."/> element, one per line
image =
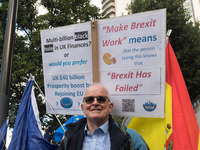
<point x="27" y="130"/>
<point x="3" y="134"/>
<point x="58" y="134"/>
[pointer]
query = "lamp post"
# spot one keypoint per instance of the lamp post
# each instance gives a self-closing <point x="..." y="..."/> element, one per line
<point x="6" y="66"/>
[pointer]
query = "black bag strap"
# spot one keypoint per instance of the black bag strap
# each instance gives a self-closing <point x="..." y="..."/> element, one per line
<point x="130" y="145"/>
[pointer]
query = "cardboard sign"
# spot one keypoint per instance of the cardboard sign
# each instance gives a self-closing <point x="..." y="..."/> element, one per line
<point x="127" y="57"/>
<point x="67" y="64"/>
<point x="132" y="62"/>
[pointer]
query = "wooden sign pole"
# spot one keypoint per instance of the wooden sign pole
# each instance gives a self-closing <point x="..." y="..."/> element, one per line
<point x="95" y="55"/>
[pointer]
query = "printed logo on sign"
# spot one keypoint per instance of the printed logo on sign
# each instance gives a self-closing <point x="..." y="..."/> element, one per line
<point x="48" y="48"/>
<point x="108" y="60"/>
<point x="81" y="35"/>
<point x="149" y="106"/>
<point x="66" y="102"/>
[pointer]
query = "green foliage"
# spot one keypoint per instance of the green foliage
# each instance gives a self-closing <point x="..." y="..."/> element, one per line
<point x="27" y="57"/>
<point x="118" y="119"/>
<point x="65" y="12"/>
<point x="184" y="39"/>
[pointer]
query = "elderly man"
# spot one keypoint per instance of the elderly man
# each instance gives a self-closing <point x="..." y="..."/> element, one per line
<point x="98" y="131"/>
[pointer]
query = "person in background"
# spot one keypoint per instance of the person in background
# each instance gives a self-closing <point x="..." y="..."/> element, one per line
<point x="98" y="130"/>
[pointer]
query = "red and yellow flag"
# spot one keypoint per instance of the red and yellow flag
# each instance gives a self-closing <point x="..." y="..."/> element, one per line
<point x="179" y="129"/>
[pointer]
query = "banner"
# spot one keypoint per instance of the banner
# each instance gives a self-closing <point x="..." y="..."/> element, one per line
<point x="67" y="64"/>
<point x="132" y="62"/>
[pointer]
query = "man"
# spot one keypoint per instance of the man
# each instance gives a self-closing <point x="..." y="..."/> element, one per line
<point x="98" y="131"/>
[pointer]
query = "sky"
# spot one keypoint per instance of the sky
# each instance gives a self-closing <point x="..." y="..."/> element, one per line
<point x="96" y="2"/>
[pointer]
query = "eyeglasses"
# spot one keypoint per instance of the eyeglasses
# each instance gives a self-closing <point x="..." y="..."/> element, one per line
<point x="100" y="99"/>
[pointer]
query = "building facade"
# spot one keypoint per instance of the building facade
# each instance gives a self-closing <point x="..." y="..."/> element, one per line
<point x="193" y="8"/>
<point x="115" y="8"/>
<point x="196" y="7"/>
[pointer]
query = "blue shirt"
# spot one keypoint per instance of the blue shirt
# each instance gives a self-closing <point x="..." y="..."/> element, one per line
<point x="100" y="140"/>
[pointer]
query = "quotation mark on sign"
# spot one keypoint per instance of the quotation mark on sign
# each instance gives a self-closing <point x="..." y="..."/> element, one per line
<point x="108" y="73"/>
<point x="104" y="28"/>
<point x="124" y="38"/>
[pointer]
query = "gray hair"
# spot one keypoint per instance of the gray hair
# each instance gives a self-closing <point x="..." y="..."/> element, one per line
<point x="97" y="83"/>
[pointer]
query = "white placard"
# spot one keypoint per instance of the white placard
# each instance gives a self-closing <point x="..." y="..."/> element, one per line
<point x="131" y="81"/>
<point x="67" y="64"/>
<point x="132" y="62"/>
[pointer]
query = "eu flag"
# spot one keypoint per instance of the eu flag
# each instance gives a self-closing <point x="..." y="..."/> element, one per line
<point x="27" y="130"/>
<point x="48" y="134"/>
<point x="3" y="134"/>
<point x="58" y="134"/>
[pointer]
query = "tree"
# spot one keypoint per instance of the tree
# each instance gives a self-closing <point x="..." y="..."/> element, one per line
<point x="184" y="39"/>
<point x="27" y="49"/>
<point x="64" y="12"/>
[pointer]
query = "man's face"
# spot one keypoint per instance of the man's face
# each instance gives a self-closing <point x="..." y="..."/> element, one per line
<point x="96" y="111"/>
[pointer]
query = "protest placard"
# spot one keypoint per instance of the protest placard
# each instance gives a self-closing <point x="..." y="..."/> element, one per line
<point x="132" y="62"/>
<point x="67" y="64"/>
<point x="127" y="57"/>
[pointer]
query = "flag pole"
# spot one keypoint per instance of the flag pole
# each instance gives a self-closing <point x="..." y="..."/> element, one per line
<point x="6" y="66"/>
<point x="3" y="140"/>
<point x="168" y="34"/>
<point x="47" y="102"/>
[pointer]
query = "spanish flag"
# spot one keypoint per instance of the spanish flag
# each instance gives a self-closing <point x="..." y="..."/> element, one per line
<point x="179" y="129"/>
